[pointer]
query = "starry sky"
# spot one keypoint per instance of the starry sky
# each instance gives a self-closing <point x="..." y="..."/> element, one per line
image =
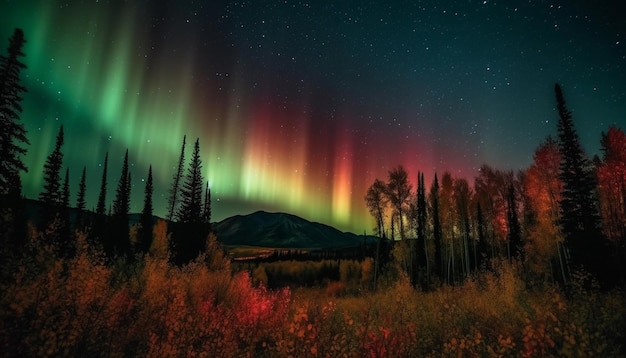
<point x="300" y="105"/>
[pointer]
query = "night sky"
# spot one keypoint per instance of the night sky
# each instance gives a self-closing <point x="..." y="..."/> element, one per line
<point x="299" y="106"/>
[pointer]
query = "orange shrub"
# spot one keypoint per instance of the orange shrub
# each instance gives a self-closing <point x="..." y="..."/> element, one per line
<point x="81" y="306"/>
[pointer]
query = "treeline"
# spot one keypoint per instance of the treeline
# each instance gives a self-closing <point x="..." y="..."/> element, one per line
<point x="108" y="227"/>
<point x="564" y="213"/>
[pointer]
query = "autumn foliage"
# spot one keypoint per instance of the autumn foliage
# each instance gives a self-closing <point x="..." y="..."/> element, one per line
<point x="84" y="306"/>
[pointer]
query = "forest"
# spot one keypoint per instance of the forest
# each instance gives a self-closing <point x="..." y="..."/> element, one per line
<point x="527" y="263"/>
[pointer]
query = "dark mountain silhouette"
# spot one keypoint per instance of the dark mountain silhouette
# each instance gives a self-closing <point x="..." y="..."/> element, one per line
<point x="281" y="230"/>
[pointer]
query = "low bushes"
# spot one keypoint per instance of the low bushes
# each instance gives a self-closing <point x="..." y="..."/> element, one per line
<point x="53" y="306"/>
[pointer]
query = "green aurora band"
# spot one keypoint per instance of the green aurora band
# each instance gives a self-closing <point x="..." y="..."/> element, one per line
<point x="94" y="71"/>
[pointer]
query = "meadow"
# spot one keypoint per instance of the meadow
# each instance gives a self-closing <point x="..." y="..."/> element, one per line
<point x="86" y="305"/>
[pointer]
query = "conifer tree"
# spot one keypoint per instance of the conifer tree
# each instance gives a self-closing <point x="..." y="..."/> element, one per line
<point x="66" y="245"/>
<point x="190" y="211"/>
<point x="175" y="189"/>
<point x="80" y="199"/>
<point x="190" y="234"/>
<point x="12" y="132"/>
<point x="51" y="194"/>
<point x="121" y="205"/>
<point x="65" y="191"/>
<point x="119" y="241"/>
<point x="437" y="231"/>
<point x="101" y="219"/>
<point x="145" y="236"/>
<point x="101" y="207"/>
<point x="580" y="219"/>
<point x="206" y="211"/>
<point x="422" y="216"/>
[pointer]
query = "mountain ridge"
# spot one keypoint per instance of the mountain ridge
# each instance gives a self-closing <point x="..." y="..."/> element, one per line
<point x="283" y="230"/>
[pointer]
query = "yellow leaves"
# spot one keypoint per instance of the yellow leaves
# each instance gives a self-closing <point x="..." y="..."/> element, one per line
<point x="477" y="338"/>
<point x="76" y="307"/>
<point x="159" y="248"/>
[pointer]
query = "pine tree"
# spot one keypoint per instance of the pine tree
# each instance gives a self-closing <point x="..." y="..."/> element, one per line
<point x="191" y="234"/>
<point x="190" y="211"/>
<point x="422" y="217"/>
<point x="119" y="242"/>
<point x="580" y="219"/>
<point x="80" y="200"/>
<point x="65" y="191"/>
<point x="66" y="245"/>
<point x="206" y="211"/>
<point x="51" y="194"/>
<point x="145" y="236"/>
<point x="12" y="132"/>
<point x="121" y="205"/>
<point x="174" y="191"/>
<point x="101" y="207"/>
<point x="437" y="232"/>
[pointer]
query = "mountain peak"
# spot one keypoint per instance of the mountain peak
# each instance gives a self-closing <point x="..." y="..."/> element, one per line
<point x="282" y="230"/>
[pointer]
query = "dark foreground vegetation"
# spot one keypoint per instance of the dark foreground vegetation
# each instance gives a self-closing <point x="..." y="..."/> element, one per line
<point x="84" y="306"/>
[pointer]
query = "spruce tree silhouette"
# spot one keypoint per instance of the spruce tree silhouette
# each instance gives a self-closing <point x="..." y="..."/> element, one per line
<point x="175" y="189"/>
<point x="145" y="233"/>
<point x="51" y="195"/>
<point x="82" y="189"/>
<point x="190" y="238"/>
<point x="66" y="245"/>
<point x="80" y="200"/>
<point x="437" y="232"/>
<point x="12" y="132"/>
<point x="100" y="219"/>
<point x="190" y="211"/>
<point x="421" y="226"/>
<point x="206" y="210"/>
<point x="101" y="206"/>
<point x="580" y="220"/>
<point x="119" y="242"/>
<point x="13" y="218"/>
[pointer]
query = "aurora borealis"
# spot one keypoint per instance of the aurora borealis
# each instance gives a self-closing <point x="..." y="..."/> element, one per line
<point x="300" y="105"/>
